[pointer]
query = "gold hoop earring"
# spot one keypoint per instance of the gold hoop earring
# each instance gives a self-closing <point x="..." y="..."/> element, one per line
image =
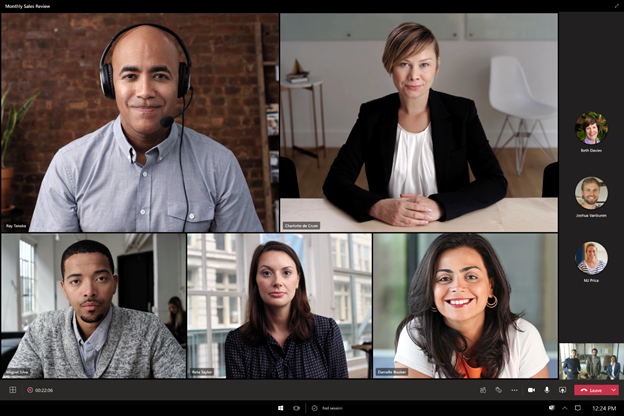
<point x="433" y="309"/>
<point x="492" y="305"/>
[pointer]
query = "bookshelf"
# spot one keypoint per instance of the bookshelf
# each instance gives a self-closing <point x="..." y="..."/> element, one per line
<point x="271" y="189"/>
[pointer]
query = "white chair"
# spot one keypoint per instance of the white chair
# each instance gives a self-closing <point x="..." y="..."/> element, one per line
<point x="510" y="94"/>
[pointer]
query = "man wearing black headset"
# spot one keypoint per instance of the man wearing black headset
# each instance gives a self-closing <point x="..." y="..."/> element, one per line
<point x="147" y="92"/>
<point x="142" y="172"/>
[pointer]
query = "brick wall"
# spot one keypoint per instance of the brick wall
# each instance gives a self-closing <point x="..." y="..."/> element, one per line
<point x="59" y="55"/>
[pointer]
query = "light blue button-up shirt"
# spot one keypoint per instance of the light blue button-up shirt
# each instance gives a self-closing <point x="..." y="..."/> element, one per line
<point x="95" y="184"/>
<point x="91" y="348"/>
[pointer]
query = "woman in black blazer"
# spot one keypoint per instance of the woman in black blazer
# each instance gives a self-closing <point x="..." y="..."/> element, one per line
<point x="448" y="128"/>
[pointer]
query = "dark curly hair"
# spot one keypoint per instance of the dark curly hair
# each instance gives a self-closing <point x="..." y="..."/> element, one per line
<point x="439" y="342"/>
<point x="86" y="246"/>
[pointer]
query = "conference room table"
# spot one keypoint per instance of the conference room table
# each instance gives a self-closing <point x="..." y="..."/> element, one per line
<point x="507" y="215"/>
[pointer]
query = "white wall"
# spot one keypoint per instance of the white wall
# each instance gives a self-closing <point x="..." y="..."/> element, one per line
<point x="46" y="284"/>
<point x="169" y="271"/>
<point x="353" y="74"/>
<point x="10" y="282"/>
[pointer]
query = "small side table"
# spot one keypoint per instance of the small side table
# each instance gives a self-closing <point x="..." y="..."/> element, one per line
<point x="309" y="85"/>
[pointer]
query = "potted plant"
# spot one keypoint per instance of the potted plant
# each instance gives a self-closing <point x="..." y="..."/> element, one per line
<point x="14" y="119"/>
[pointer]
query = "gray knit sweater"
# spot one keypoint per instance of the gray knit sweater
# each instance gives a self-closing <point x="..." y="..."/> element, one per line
<point x="138" y="345"/>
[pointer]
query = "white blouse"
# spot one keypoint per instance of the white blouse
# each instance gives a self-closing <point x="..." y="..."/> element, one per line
<point x="413" y="169"/>
<point x="527" y="354"/>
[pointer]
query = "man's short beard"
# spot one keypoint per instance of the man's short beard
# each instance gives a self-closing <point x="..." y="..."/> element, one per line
<point x="92" y="320"/>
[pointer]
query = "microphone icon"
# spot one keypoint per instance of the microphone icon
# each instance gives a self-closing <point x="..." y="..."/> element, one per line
<point x="547" y="390"/>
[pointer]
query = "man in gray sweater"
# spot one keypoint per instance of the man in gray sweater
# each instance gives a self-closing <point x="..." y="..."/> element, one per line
<point x="94" y="338"/>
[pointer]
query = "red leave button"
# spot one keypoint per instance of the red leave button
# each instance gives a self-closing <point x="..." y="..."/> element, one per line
<point x="596" y="390"/>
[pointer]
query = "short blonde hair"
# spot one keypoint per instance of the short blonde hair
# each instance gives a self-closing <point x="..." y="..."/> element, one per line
<point x="405" y="40"/>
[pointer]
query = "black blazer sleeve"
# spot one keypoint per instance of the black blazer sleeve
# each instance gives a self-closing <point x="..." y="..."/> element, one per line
<point x="362" y="147"/>
<point x="459" y="141"/>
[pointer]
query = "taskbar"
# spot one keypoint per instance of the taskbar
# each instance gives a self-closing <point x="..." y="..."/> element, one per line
<point x="364" y="407"/>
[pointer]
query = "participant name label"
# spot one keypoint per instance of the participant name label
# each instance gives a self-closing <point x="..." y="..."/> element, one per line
<point x="301" y="225"/>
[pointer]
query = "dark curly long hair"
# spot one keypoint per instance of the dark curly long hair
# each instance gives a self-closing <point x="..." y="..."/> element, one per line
<point x="441" y="343"/>
<point x="301" y="319"/>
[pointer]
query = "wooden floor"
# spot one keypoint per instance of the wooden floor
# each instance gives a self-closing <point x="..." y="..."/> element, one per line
<point x="528" y="184"/>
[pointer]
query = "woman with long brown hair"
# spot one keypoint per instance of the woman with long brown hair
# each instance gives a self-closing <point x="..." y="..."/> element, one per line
<point x="460" y="324"/>
<point x="281" y="337"/>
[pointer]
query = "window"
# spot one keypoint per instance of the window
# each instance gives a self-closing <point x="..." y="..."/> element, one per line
<point x="215" y="299"/>
<point x="27" y="277"/>
<point x="352" y="271"/>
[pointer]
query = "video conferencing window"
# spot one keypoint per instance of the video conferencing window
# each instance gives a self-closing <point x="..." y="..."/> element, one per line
<point x="422" y="230"/>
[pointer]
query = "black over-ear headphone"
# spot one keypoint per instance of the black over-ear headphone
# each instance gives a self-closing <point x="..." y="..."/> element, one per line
<point x="106" y="70"/>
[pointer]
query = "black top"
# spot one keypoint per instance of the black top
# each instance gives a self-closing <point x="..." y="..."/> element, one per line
<point x="322" y="356"/>
<point x="458" y="141"/>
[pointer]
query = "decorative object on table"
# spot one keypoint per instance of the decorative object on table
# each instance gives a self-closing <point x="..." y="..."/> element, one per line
<point x="14" y="118"/>
<point x="274" y="161"/>
<point x="297" y="74"/>
<point x="272" y="116"/>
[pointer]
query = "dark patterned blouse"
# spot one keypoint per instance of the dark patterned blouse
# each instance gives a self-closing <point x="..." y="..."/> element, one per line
<point x="322" y="356"/>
